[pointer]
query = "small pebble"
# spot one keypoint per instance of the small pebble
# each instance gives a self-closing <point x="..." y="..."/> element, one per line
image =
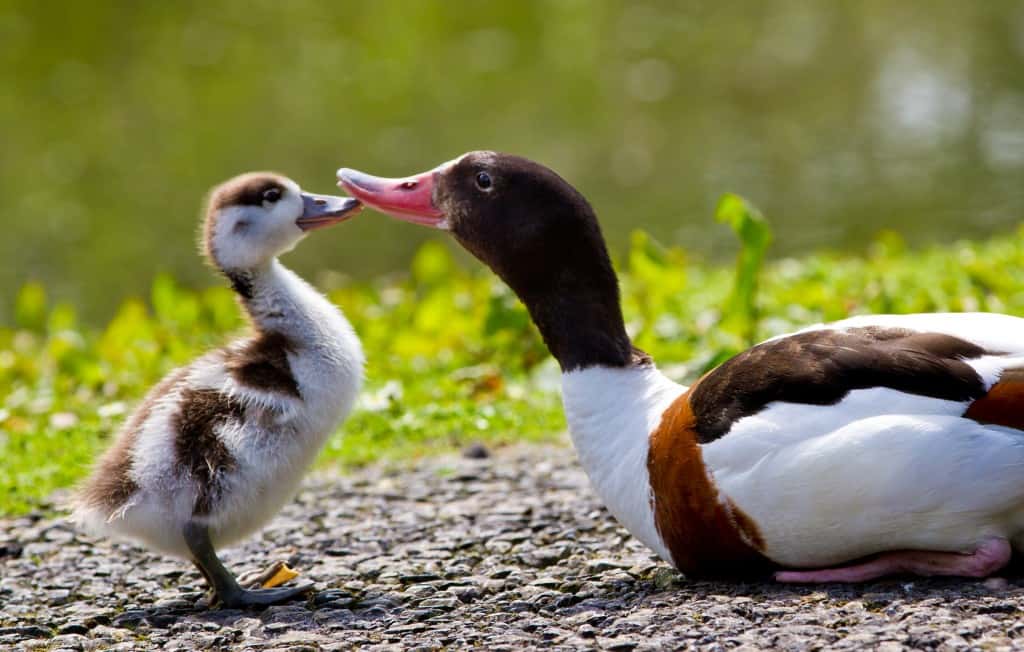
<point x="476" y="451"/>
<point x="996" y="584"/>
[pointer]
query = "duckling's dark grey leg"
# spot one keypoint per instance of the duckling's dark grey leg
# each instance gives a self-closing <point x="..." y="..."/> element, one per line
<point x="224" y="584"/>
<point x="211" y="595"/>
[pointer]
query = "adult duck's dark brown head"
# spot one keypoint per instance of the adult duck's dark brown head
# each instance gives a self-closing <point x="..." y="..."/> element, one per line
<point x="537" y="232"/>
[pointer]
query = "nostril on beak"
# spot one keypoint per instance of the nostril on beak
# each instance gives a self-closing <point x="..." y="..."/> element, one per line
<point x="408" y="185"/>
<point x="321" y="202"/>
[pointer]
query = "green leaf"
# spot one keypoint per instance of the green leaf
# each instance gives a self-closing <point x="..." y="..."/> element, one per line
<point x="62" y="317"/>
<point x="30" y="307"/>
<point x="755" y="235"/>
<point x="164" y="296"/>
<point x="432" y="264"/>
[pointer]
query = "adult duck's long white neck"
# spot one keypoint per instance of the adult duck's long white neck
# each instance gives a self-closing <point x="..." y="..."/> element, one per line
<point x="611" y="413"/>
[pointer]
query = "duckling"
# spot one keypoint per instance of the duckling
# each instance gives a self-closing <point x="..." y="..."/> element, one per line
<point x="218" y="446"/>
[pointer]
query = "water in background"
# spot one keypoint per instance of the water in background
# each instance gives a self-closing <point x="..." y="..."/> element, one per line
<point x="838" y="119"/>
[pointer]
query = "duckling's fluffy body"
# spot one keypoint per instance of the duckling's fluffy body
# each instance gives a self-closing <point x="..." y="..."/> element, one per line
<point x="259" y="436"/>
<point x="223" y="443"/>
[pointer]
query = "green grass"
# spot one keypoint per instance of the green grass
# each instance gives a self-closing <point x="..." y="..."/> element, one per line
<point x="452" y="355"/>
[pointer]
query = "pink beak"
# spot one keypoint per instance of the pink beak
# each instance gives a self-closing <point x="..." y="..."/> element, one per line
<point x="410" y="199"/>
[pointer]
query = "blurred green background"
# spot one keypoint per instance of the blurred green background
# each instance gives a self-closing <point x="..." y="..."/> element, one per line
<point x="839" y="118"/>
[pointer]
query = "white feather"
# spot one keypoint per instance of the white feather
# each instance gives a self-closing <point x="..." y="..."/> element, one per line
<point x="611" y="413"/>
<point x="925" y="482"/>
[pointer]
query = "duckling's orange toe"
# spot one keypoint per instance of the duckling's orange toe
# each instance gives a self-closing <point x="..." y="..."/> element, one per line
<point x="283" y="573"/>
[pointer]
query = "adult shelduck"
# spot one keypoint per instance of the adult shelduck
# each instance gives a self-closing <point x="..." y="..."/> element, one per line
<point x="843" y="452"/>
<point x="218" y="446"/>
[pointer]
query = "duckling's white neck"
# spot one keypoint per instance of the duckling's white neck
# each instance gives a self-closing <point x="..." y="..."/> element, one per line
<point x="324" y="354"/>
<point x="278" y="300"/>
<point x="611" y="413"/>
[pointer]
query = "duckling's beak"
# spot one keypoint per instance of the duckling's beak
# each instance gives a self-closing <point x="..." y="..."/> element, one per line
<point x="324" y="210"/>
<point x="410" y="199"/>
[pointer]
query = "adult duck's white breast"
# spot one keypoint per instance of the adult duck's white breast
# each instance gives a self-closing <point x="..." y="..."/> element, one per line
<point x="611" y="414"/>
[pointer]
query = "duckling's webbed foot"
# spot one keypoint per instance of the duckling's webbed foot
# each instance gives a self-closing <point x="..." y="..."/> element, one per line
<point x="224" y="584"/>
<point x="264" y="597"/>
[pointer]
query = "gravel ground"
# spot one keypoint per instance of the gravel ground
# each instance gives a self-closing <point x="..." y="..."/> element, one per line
<point x="506" y="553"/>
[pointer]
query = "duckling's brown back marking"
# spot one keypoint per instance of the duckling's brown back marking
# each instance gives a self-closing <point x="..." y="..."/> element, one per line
<point x="199" y="448"/>
<point x="1004" y="403"/>
<point x="262" y="364"/>
<point x="111" y="483"/>
<point x="706" y="533"/>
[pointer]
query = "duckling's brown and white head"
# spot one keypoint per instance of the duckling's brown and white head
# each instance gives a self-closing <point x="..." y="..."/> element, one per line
<point x="530" y="226"/>
<point x="255" y="217"/>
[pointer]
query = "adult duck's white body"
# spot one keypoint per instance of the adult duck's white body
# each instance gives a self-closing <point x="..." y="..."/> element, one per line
<point x="819" y="485"/>
<point x="887" y="443"/>
<point x="220" y="445"/>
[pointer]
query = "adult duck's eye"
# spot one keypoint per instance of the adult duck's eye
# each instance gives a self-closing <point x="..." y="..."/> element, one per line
<point x="271" y="194"/>
<point x="483" y="180"/>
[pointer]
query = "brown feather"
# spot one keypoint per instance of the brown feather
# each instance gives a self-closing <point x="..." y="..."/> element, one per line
<point x="706" y="533"/>
<point x="821" y="367"/>
<point x="262" y="364"/>
<point x="1003" y="405"/>
<point x="199" y="448"/>
<point x="110" y="485"/>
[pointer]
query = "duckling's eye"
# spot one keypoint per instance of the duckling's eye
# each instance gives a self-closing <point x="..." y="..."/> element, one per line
<point x="483" y="181"/>
<point x="271" y="194"/>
